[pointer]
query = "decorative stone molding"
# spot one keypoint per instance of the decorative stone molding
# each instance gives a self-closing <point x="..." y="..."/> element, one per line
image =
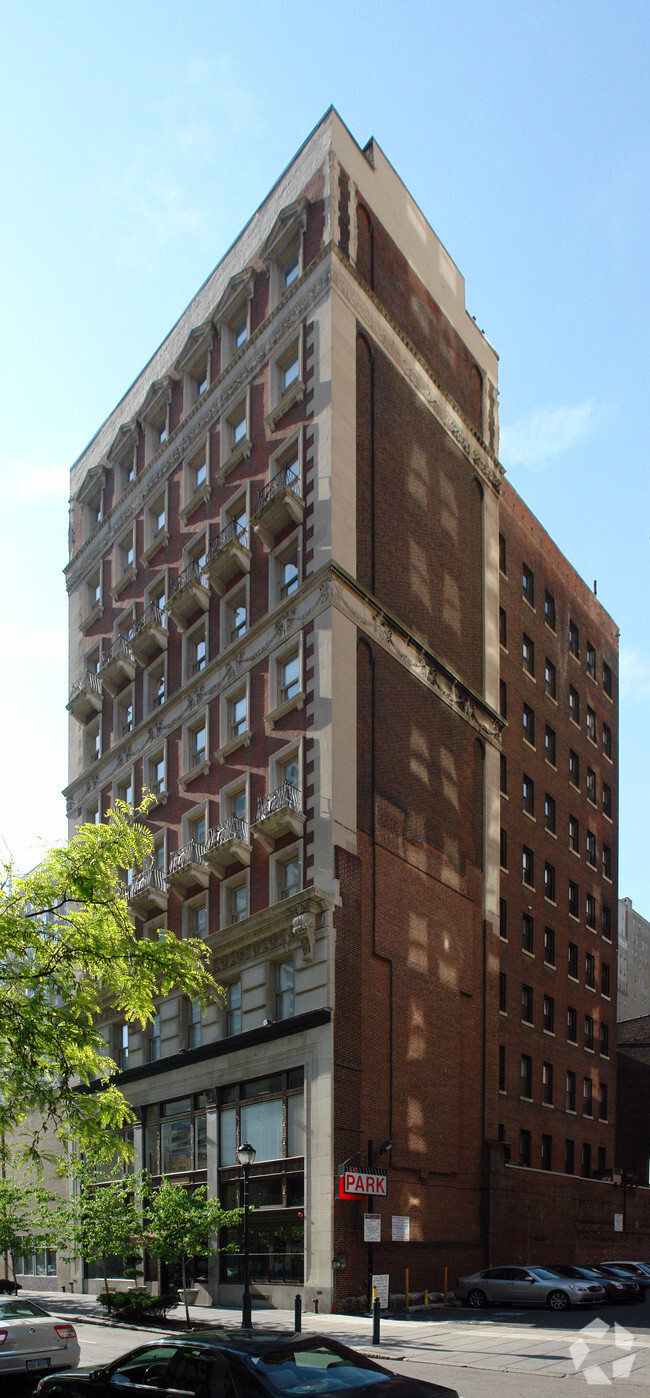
<point x="304" y="928"/>
<point x="273" y="929"/>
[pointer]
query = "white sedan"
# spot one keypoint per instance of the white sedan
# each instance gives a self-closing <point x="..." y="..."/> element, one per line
<point x="32" y="1341"/>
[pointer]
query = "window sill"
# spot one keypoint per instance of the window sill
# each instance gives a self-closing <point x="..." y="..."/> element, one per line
<point x="159" y="798"/>
<point x="160" y="542"/>
<point x="296" y="702"/>
<point x="240" y="452"/>
<point x="295" y="394"/>
<point x="200" y="497"/>
<point x="194" y="772"/>
<point x="127" y="577"/>
<point x="93" y="616"/>
<point x="241" y="741"/>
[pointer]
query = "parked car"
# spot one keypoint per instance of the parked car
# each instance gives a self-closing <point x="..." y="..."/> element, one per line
<point x="528" y="1286"/>
<point x="220" y="1364"/>
<point x="636" y="1270"/>
<point x="32" y="1340"/>
<point x="617" y="1290"/>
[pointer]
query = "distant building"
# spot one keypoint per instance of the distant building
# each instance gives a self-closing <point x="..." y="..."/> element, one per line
<point x="633" y="962"/>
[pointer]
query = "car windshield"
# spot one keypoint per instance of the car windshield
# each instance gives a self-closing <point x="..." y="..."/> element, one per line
<point x="543" y="1273"/>
<point x="318" y="1369"/>
<point x="21" y="1310"/>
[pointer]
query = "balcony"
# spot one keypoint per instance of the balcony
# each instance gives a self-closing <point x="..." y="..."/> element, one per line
<point x="228" y="555"/>
<point x="278" y="814"/>
<point x="147" y="893"/>
<point x="86" y="697"/>
<point x="149" y="634"/>
<point x="187" y="867"/>
<point x="278" y="504"/>
<point x="188" y="594"/>
<point x="227" y="844"/>
<point x="117" y="664"/>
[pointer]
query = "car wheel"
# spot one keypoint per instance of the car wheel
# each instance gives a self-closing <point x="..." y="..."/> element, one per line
<point x="558" y="1301"/>
<point x="477" y="1299"/>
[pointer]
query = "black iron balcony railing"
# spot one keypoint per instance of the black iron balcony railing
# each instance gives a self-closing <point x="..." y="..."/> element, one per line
<point x="235" y="828"/>
<point x="146" y="879"/>
<point x="89" y="680"/>
<point x="120" y="646"/>
<point x="287" y="477"/>
<point x="192" y="573"/>
<point x="233" y="533"/>
<point x="285" y="795"/>
<point x="152" y="615"/>
<point x="191" y="853"/>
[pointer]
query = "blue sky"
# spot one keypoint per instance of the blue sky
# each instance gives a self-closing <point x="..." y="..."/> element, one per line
<point x="139" y="137"/>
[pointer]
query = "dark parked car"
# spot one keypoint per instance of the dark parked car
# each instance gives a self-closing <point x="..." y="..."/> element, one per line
<point x="222" y="1364"/>
<point x="626" y="1271"/>
<point x="616" y="1289"/>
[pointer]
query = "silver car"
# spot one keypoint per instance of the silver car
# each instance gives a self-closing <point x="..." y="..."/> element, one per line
<point x="527" y="1286"/>
<point x="32" y="1341"/>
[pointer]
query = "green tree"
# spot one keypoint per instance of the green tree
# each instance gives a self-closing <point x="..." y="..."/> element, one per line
<point x="102" y="1218"/>
<point x="25" y="1214"/>
<point x="68" y="951"/>
<point x="180" y="1225"/>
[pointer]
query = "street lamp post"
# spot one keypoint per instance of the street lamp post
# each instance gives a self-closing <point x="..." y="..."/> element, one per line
<point x="246" y="1156"/>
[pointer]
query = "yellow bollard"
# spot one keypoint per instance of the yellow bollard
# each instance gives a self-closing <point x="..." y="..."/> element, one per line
<point x="406" y="1286"/>
<point x="426" y="1295"/>
<point x="445" y="1289"/>
<point x="374" y="1294"/>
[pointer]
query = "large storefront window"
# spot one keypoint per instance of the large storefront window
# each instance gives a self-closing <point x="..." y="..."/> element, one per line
<point x="175" y="1136"/>
<point x="41" y="1263"/>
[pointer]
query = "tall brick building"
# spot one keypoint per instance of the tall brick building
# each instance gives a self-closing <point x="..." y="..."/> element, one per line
<point x="297" y="617"/>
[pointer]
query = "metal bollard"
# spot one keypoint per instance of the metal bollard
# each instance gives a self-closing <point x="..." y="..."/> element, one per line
<point x="375" y="1321"/>
<point x="315" y="1305"/>
<point x="297" y="1315"/>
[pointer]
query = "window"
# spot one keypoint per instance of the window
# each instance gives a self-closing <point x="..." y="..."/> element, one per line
<point x="549" y="610"/>
<point x="238" y="427"/>
<point x="156" y="774"/>
<point x="589" y="1032"/>
<point x="237" y="716"/>
<point x="549" y="1014"/>
<point x="503" y="628"/>
<point x="197" y="919"/>
<point x="528" y="794"/>
<point x="503" y="919"/>
<point x="574" y="899"/>
<point x="502" y="554"/>
<point x="236" y="616"/>
<point x="287" y="568"/>
<point x="288" y="874"/>
<point x="604" y="1040"/>
<point x="503" y="988"/>
<point x="290" y="268"/>
<point x="527" y="932"/>
<point x="569" y="1157"/>
<point x="502" y="1068"/>
<point x="547" y="1151"/>
<point x="235" y="435"/>
<point x="528" y="720"/>
<point x="549" y="882"/>
<point x="156" y="685"/>
<point x="124" y="791"/>
<point x="233" y="1008"/>
<point x="503" y="774"/>
<point x="197" y="651"/>
<point x="607" y="678"/>
<point x="591" y="785"/>
<point x="573" y="960"/>
<point x="289" y="677"/>
<point x="605" y="979"/>
<point x="591" y="660"/>
<point x="549" y="677"/>
<point x="574" y="834"/>
<point x="503" y="699"/>
<point x="574" y="704"/>
<point x="549" y="946"/>
<point x="570" y="1091"/>
<point x="198" y="745"/>
<point x="284" y="990"/>
<point x="591" y="724"/>
<point x="92" y="743"/>
<point x="590" y="911"/>
<point x="574" y="639"/>
<point x="193" y="1024"/>
<point x="549" y="745"/>
<point x="527" y="1004"/>
<point x="607" y="740"/>
<point x="237" y="902"/>
<point x="587" y="1097"/>
<point x="289" y="369"/>
<point x="503" y="849"/>
<point x="528" y="654"/>
<point x="528" y="866"/>
<point x="607" y="800"/>
<point x="524" y="1146"/>
<point x="572" y="1025"/>
<point x="602" y="1102"/>
<point x="547" y="1084"/>
<point x="526" y="1088"/>
<point x="586" y="1159"/>
<point x="607" y="862"/>
<point x="122" y="1047"/>
<point x="528" y="584"/>
<point x="607" y="923"/>
<point x="153" y="1040"/>
<point x="549" y="813"/>
<point x="591" y="848"/>
<point x="574" y="768"/>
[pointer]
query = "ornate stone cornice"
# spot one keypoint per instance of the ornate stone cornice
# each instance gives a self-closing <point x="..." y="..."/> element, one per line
<point x="294" y="922"/>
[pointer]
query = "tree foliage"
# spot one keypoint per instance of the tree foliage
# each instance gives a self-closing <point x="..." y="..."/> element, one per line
<point x="68" y="952"/>
<point x="99" y="1220"/>
<point x="180" y="1224"/>
<point x="25" y="1213"/>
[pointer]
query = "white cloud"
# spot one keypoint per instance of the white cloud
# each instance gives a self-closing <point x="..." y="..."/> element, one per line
<point x="634" y="676"/>
<point x="533" y="439"/>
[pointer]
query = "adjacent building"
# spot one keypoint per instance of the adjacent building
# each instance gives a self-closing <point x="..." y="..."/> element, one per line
<point x="633" y="962"/>
<point x="377" y="710"/>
